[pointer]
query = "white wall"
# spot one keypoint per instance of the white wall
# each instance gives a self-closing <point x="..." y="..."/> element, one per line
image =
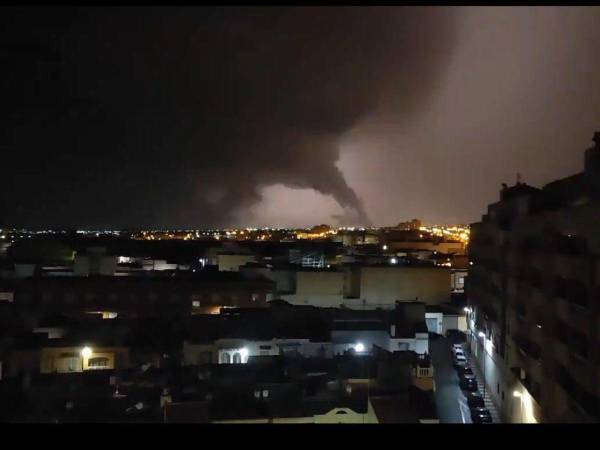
<point x="439" y="319"/>
<point x="192" y="352"/>
<point x="421" y="343"/>
<point x="523" y="409"/>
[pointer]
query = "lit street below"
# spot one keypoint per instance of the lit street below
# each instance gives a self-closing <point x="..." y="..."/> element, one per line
<point x="451" y="403"/>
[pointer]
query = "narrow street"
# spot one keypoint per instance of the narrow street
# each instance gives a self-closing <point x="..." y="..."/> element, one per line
<point x="451" y="403"/>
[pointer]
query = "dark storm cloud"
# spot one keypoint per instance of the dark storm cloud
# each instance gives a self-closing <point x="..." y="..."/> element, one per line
<point x="180" y="116"/>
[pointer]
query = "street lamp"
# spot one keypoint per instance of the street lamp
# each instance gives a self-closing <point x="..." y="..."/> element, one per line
<point x="359" y="347"/>
<point x="482" y="335"/>
<point x="86" y="352"/>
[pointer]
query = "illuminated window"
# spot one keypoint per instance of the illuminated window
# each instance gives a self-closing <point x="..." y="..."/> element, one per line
<point x="237" y="358"/>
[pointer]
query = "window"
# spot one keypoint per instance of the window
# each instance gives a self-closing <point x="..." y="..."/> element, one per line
<point x="73" y="364"/>
<point x="254" y="297"/>
<point x="265" y="393"/>
<point x="98" y="363"/>
<point x="237" y="358"/>
<point x="225" y="358"/>
<point x="196" y="303"/>
<point x="341" y="412"/>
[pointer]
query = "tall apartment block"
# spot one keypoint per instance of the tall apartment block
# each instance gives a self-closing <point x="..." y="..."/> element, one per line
<point x="534" y="298"/>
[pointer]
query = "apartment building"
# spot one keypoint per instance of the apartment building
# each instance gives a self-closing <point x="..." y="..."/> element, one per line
<point x="534" y="296"/>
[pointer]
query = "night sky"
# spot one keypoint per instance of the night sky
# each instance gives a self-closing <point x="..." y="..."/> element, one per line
<point x="191" y="117"/>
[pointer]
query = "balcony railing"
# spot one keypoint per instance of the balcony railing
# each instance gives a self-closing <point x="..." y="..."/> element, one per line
<point x="424" y="372"/>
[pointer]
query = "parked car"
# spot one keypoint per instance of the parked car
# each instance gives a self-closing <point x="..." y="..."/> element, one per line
<point x="468" y="384"/>
<point x="458" y="351"/>
<point x="466" y="376"/>
<point x="460" y="359"/>
<point x="475" y="400"/>
<point x="464" y="369"/>
<point x="481" y="415"/>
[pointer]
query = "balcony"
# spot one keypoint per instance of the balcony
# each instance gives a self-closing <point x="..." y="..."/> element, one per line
<point x="562" y="309"/>
<point x="528" y="348"/>
<point x="560" y="352"/>
<point x="570" y="266"/>
<point x="579" y="317"/>
<point x="423" y="372"/>
<point x="584" y="400"/>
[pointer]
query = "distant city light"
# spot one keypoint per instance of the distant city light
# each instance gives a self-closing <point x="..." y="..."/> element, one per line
<point x="394" y="260"/>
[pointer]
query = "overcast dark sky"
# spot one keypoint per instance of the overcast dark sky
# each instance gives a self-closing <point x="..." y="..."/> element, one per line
<point x="190" y="117"/>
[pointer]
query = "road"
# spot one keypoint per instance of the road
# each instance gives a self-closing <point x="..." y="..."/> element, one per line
<point x="451" y="403"/>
